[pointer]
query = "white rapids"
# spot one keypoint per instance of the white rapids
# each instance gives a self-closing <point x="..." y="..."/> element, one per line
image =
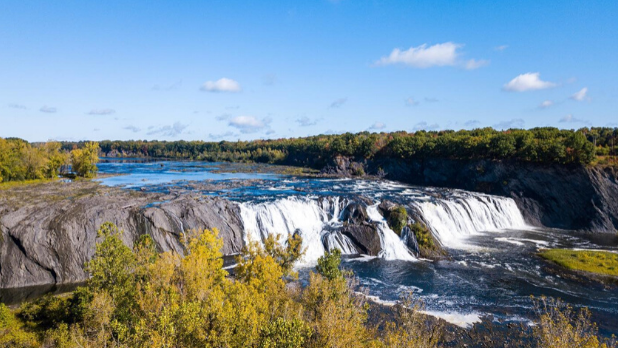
<point x="318" y="221"/>
<point x="453" y="220"/>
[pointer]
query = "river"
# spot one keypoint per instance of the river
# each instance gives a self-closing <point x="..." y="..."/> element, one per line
<point x="492" y="269"/>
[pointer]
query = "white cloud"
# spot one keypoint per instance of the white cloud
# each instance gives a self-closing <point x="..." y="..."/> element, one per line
<point x="221" y="85"/>
<point x="501" y="47"/>
<point x="545" y="104"/>
<point x="170" y="131"/>
<point x="306" y="121"/>
<point x="527" y="82"/>
<point x="377" y="126"/>
<point x="249" y="124"/>
<point x="411" y="102"/>
<point x="102" y="112"/>
<point x="444" y="54"/>
<point x="581" y="95"/>
<point x="48" y="109"/>
<point x="570" y="119"/>
<point x="475" y="64"/>
<point x="338" y="103"/>
<point x="514" y="123"/>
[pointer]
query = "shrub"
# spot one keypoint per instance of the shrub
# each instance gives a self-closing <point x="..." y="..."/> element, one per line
<point x="398" y="219"/>
<point x="423" y="236"/>
<point x="560" y="326"/>
<point x="12" y="333"/>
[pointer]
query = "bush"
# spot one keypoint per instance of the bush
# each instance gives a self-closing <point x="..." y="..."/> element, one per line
<point x="424" y="238"/>
<point x="328" y="265"/>
<point x="12" y="333"/>
<point x="397" y="219"/>
<point x="560" y="326"/>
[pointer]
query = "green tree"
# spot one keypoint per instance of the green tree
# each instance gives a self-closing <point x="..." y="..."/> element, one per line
<point x="328" y="265"/>
<point x="84" y="161"/>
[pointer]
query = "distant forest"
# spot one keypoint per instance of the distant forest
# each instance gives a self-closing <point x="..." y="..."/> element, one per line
<point x="540" y="145"/>
<point x="20" y="160"/>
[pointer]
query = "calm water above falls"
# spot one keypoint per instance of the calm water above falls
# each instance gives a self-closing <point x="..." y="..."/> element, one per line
<point x="493" y="269"/>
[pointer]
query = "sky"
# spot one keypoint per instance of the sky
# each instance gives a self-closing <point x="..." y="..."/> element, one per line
<point x="230" y="70"/>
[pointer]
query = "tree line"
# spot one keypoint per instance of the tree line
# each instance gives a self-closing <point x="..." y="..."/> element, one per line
<point x="539" y="145"/>
<point x="137" y="297"/>
<point x="20" y="160"/>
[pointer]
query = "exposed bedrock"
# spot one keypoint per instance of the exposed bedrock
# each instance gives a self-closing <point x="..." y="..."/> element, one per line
<point x="48" y="237"/>
<point x="569" y="197"/>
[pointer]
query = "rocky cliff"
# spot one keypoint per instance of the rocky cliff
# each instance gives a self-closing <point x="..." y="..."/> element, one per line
<point x="48" y="231"/>
<point x="569" y="197"/>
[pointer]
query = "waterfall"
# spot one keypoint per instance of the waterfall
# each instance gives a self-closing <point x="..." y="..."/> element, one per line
<point x="453" y="219"/>
<point x="337" y="240"/>
<point x="393" y="247"/>
<point x="318" y="222"/>
<point x="292" y="215"/>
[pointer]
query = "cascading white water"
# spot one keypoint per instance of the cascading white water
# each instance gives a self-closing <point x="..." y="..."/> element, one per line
<point x="393" y="248"/>
<point x="317" y="222"/>
<point x="337" y="240"/>
<point x="452" y="220"/>
<point x="314" y="220"/>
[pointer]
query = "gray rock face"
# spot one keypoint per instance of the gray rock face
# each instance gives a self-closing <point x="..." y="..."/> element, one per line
<point x="365" y="236"/>
<point x="48" y="232"/>
<point x="355" y="213"/>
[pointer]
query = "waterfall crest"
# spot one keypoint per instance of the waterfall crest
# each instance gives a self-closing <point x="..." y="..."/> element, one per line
<point x="393" y="247"/>
<point x="319" y="221"/>
<point x="453" y="219"/>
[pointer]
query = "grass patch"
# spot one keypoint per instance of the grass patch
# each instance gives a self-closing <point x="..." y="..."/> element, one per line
<point x="597" y="262"/>
<point x="12" y="184"/>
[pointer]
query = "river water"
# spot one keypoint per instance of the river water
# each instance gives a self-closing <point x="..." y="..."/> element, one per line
<point x="492" y="270"/>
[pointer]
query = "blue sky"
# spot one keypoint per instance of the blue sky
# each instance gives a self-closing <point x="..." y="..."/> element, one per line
<point x="214" y="70"/>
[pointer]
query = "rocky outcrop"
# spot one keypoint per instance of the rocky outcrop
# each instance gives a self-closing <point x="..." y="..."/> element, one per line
<point x="365" y="236"/>
<point x="47" y="237"/>
<point x="560" y="196"/>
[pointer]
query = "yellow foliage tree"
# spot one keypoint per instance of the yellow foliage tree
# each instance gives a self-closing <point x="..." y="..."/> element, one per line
<point x="84" y="161"/>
